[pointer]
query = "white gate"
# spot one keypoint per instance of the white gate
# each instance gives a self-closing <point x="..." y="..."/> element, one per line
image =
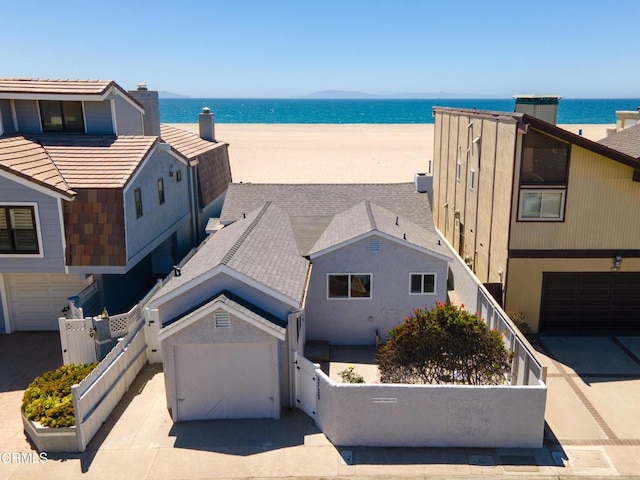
<point x="76" y="339"/>
<point x="306" y="386"/>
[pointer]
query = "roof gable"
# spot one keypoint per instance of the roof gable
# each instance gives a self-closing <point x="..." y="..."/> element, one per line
<point x="368" y="219"/>
<point x="259" y="248"/>
<point x="232" y="304"/>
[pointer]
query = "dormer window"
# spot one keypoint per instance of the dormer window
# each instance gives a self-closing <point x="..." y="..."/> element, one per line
<point x="61" y="116"/>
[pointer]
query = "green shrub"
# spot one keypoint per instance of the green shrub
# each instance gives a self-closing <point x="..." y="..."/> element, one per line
<point x="48" y="398"/>
<point x="446" y="344"/>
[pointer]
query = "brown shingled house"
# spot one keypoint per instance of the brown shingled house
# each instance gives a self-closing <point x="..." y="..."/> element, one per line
<point x="546" y="218"/>
<point x="93" y="194"/>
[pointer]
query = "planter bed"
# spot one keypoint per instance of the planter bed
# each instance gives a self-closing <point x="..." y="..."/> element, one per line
<point x="51" y="440"/>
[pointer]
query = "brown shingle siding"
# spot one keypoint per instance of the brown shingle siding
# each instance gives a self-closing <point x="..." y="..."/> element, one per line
<point x="214" y="174"/>
<point x="95" y="229"/>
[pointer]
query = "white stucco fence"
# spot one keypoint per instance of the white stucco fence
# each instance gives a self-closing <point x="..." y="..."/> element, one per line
<point x="395" y="415"/>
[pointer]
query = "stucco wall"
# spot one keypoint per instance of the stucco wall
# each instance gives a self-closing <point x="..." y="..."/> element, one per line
<point x="48" y="218"/>
<point x="158" y="221"/>
<point x="431" y="415"/>
<point x="203" y="331"/>
<point x="354" y="321"/>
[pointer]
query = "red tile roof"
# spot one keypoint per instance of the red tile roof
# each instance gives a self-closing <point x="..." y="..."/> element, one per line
<point x="187" y="144"/>
<point x="65" y="162"/>
<point x="28" y="159"/>
<point x="54" y="86"/>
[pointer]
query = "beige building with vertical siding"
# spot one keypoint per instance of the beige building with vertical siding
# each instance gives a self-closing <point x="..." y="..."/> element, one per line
<point x="548" y="219"/>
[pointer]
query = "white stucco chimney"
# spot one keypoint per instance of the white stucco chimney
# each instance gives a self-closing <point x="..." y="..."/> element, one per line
<point x="424" y="182"/>
<point x="206" y="122"/>
<point x="544" y="107"/>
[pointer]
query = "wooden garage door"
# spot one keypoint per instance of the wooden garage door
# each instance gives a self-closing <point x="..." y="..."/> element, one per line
<point x="36" y="300"/>
<point x="217" y="381"/>
<point x="590" y="301"/>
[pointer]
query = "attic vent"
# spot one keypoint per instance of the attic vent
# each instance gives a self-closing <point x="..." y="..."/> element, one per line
<point x="222" y="319"/>
<point x="374" y="245"/>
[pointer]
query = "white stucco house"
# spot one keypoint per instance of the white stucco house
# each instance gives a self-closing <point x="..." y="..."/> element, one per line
<point x="288" y="264"/>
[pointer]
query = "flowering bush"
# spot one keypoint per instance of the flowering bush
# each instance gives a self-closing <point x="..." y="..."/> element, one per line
<point x="48" y="398"/>
<point x="446" y="344"/>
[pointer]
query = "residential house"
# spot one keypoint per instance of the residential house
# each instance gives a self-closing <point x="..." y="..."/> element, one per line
<point x="292" y="263"/>
<point x="543" y="216"/>
<point x="91" y="196"/>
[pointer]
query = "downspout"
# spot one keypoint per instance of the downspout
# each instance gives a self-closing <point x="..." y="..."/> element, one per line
<point x="195" y="230"/>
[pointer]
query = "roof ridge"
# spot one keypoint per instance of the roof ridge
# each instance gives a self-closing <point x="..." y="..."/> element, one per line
<point x="372" y="219"/>
<point x="53" y="162"/>
<point x="232" y="251"/>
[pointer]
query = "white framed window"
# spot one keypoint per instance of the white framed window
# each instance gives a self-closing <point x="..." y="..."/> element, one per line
<point x="348" y="285"/>
<point x="422" y="283"/>
<point x="458" y="170"/>
<point x="472" y="179"/>
<point x="541" y="205"/>
<point x="20" y="231"/>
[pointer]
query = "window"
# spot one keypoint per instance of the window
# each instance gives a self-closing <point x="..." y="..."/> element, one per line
<point x="137" y="195"/>
<point x="545" y="160"/>
<point x="60" y="116"/>
<point x="179" y="176"/>
<point x="543" y="177"/>
<point x="458" y="170"/>
<point x="161" y="191"/>
<point x="472" y="179"/>
<point x="541" y="204"/>
<point x="422" y="283"/>
<point x="18" y="232"/>
<point x="349" y="285"/>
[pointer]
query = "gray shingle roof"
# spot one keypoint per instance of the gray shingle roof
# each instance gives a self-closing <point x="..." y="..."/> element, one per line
<point x="626" y="141"/>
<point x="306" y="200"/>
<point x="367" y="217"/>
<point x="260" y="246"/>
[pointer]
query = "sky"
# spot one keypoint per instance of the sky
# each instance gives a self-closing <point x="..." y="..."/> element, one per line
<point x="285" y="48"/>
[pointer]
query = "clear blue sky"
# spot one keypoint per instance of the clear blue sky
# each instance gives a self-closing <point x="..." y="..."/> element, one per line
<point x="282" y="48"/>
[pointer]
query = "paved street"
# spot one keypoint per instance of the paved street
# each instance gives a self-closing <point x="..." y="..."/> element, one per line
<point x="593" y="430"/>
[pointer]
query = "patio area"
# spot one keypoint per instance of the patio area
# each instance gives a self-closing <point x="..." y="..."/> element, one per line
<point x="333" y="359"/>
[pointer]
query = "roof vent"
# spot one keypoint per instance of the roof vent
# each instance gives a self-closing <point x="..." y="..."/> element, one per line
<point x="374" y="245"/>
<point x="223" y="319"/>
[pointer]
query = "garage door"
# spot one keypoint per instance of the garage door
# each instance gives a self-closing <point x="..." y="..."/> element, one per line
<point x="36" y="300"/>
<point x="226" y="381"/>
<point x="590" y="301"/>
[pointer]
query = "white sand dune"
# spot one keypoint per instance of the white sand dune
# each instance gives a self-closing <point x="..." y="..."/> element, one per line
<point x="329" y="153"/>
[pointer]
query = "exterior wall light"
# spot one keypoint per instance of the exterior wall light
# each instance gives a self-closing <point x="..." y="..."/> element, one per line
<point x="617" y="261"/>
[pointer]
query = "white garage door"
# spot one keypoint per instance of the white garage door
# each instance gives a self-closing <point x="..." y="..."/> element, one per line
<point x="226" y="381"/>
<point x="36" y="300"/>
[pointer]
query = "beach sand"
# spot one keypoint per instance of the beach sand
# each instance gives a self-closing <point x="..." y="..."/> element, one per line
<point x="330" y="153"/>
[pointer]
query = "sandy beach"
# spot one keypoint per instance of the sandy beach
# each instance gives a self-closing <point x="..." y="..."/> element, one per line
<point x="330" y="153"/>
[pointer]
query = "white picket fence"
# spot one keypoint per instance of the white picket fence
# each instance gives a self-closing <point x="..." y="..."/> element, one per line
<point x="98" y="394"/>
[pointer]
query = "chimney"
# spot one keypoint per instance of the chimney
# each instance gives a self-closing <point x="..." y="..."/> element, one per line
<point x="149" y="100"/>
<point x="424" y="182"/>
<point x="544" y="107"/>
<point x="207" y="124"/>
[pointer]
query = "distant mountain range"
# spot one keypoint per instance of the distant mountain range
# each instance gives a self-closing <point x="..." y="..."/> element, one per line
<point x="345" y="94"/>
<point x="165" y="94"/>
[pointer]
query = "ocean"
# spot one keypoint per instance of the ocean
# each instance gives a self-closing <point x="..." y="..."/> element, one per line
<point x="245" y="110"/>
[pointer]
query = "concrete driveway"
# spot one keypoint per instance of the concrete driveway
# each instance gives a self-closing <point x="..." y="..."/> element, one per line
<point x="592" y="430"/>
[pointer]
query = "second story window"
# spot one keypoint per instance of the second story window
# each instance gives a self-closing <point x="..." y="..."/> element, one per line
<point x="137" y="195"/>
<point x="61" y="116"/>
<point x="161" y="191"/>
<point x="18" y="234"/>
